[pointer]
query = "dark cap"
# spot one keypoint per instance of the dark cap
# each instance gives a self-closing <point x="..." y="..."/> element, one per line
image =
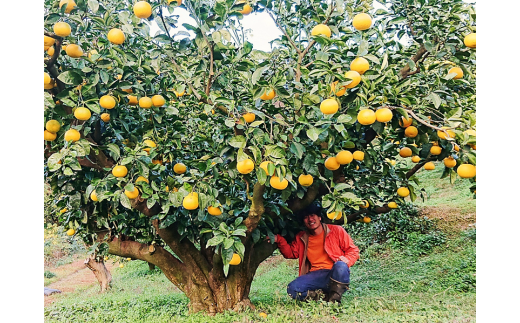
<point x="313" y="208"/>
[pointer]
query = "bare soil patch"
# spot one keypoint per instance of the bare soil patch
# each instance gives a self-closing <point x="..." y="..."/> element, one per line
<point x="450" y="219"/>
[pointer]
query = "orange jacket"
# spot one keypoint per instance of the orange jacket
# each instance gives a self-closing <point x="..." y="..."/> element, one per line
<point x="337" y="243"/>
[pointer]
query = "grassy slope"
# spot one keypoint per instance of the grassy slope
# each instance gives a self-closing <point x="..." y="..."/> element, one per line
<point x="390" y="287"/>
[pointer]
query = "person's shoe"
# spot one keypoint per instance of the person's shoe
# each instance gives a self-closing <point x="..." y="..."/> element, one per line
<point x="314" y="295"/>
<point x="336" y="290"/>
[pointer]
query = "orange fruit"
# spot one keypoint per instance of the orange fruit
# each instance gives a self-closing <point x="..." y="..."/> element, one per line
<point x="435" y="150"/>
<point x="416" y="159"/>
<point x="305" y="180"/>
<point x="360" y="65"/>
<point x="158" y="101"/>
<point x="335" y="215"/>
<point x="262" y="314"/>
<point x="142" y="9"/>
<point x="450" y="162"/>
<point x="278" y="183"/>
<point x="50" y="51"/>
<point x="344" y="157"/>
<point x="245" y="166"/>
<point x="264" y="164"/>
<point x="362" y="21"/>
<point x="331" y="163"/>
<point x="366" y="117"/>
<point x="358" y="155"/>
<point x="119" y="171"/>
<point x="61" y="29"/>
<point x="132" y="100"/>
<point x="116" y="36"/>
<point x="72" y="134"/>
<point x="340" y="92"/>
<point x="383" y="115"/>
<point x="70" y="232"/>
<point x="149" y="144"/>
<point x="70" y="4"/>
<point x="145" y="102"/>
<point x="355" y="77"/>
<point x="268" y="94"/>
<point x="246" y="9"/>
<point x="429" y="166"/>
<point x="403" y="191"/>
<point x="48" y="41"/>
<point x="405" y="152"/>
<point x="52" y="126"/>
<point x="191" y="201"/>
<point x="467" y="171"/>
<point x="366" y="219"/>
<point x="141" y="179"/>
<point x="46" y="78"/>
<point x="179" y="94"/>
<point x="249" y="117"/>
<point x="442" y="134"/>
<point x="107" y="102"/>
<point x="214" y="210"/>
<point x="82" y="113"/>
<point x="179" y="168"/>
<point x="405" y="122"/>
<point x="365" y="204"/>
<point x="74" y="51"/>
<point x="49" y="136"/>
<point x="329" y="106"/>
<point x="411" y="132"/>
<point x="322" y="30"/>
<point x="132" y="194"/>
<point x="392" y="205"/>
<point x="105" y="117"/>
<point x="236" y="258"/>
<point x="457" y="70"/>
<point x="471" y="40"/>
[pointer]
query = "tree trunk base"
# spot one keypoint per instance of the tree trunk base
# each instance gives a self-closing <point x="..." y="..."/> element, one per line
<point x="101" y="272"/>
<point x="243" y="305"/>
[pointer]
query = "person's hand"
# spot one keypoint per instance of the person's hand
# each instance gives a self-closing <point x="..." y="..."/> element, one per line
<point x="344" y="259"/>
<point x="269" y="239"/>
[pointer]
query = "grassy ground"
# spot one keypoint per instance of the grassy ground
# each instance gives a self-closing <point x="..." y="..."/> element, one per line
<point x="387" y="284"/>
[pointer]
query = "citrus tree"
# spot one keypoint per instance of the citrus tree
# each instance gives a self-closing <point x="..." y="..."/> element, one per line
<point x="186" y="147"/>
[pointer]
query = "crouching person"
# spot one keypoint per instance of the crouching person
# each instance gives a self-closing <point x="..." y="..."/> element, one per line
<point x="325" y="252"/>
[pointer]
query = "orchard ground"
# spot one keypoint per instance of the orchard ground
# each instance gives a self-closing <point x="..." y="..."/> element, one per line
<point x="389" y="284"/>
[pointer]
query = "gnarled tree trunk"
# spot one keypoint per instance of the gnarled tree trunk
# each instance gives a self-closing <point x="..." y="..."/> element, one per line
<point x="100" y="271"/>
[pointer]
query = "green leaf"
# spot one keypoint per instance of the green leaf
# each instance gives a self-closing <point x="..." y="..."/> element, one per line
<point x="344" y="118"/>
<point x="258" y="73"/>
<point x="313" y="133"/>
<point x="216" y="240"/>
<point x="70" y="78"/>
<point x="396" y="21"/>
<point x="53" y="160"/>
<point x="436" y="99"/>
<point x="238" y="141"/>
<point x="228" y="243"/>
<point x="125" y="201"/>
<point x="93" y="5"/>
<point x="261" y="176"/>
<point x="114" y="151"/>
<point x="297" y="149"/>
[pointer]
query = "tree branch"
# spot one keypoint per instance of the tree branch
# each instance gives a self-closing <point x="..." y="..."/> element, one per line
<point x="284" y="32"/>
<point x="405" y="71"/>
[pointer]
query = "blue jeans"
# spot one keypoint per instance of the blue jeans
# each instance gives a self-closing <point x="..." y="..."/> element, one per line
<point x="318" y="279"/>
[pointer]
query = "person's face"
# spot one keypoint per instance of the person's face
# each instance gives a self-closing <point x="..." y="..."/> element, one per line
<point x="312" y="221"/>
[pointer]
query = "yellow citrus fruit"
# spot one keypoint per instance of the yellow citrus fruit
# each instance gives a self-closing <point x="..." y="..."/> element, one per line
<point x="52" y="126"/>
<point x="340" y="92"/>
<point x="72" y="134"/>
<point x="435" y="150"/>
<point x="268" y="94"/>
<point x="50" y="85"/>
<point x="344" y="157"/>
<point x="262" y="314"/>
<point x="450" y="162"/>
<point x="358" y="155"/>
<point x="50" y="51"/>
<point x="331" y="163"/>
<point x="392" y="205"/>
<point x="442" y="134"/>
<point x="141" y="179"/>
<point x="246" y="9"/>
<point x="191" y="201"/>
<point x="365" y="204"/>
<point x="335" y="215"/>
<point x="214" y="210"/>
<point x="249" y="117"/>
<point x="384" y="115"/>
<point x="74" y="51"/>
<point x="157" y="162"/>
<point x="142" y="9"/>
<point x="119" y="171"/>
<point x="403" y="191"/>
<point x="405" y="122"/>
<point x="92" y="52"/>
<point x="467" y="171"/>
<point x="366" y="219"/>
<point x="305" y="180"/>
<point x="63" y="210"/>
<point x="158" y="101"/>
<point x="119" y="76"/>
<point x="107" y="102"/>
<point x="355" y="77"/>
<point x="471" y="40"/>
<point x="457" y="70"/>
<point x="429" y="166"/>
<point x="48" y="41"/>
<point x="411" y="132"/>
<point x="235" y="260"/>
<point x="264" y="164"/>
<point x="132" y="194"/>
<point x="405" y="152"/>
<point x="49" y="136"/>
<point x="132" y="100"/>
<point x="471" y="132"/>
<point x="93" y="196"/>
<point x="416" y="159"/>
<point x="121" y="266"/>
<point x="61" y="29"/>
<point x="116" y="36"/>
<point x="82" y="113"/>
<point x="46" y="78"/>
<point x="360" y="65"/>
<point x="179" y="168"/>
<point x="70" y="232"/>
<point x="329" y="106"/>
<point x="145" y="102"/>
<point x="179" y="94"/>
<point x="105" y="117"/>
<point x="366" y="117"/>
<point x="322" y="30"/>
<point x="70" y="4"/>
<point x="150" y="144"/>
<point x="245" y="166"/>
<point x="362" y="21"/>
<point x="278" y="183"/>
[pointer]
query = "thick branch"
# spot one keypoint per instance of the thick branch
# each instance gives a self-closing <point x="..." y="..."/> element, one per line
<point x="405" y="71"/>
<point x="257" y="208"/>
